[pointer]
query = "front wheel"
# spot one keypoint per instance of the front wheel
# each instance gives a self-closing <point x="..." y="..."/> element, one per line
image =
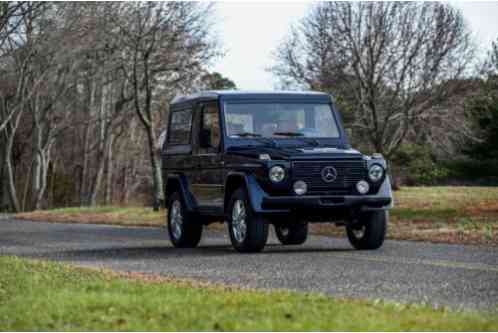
<point x="292" y="234"/>
<point x="248" y="231"/>
<point x="183" y="230"/>
<point x="369" y="231"/>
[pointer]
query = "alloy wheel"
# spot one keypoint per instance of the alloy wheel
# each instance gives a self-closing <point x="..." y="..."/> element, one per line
<point x="176" y="219"/>
<point x="359" y="232"/>
<point x="239" y="225"/>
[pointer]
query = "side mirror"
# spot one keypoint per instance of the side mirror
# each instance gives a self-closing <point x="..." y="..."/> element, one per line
<point x="205" y="138"/>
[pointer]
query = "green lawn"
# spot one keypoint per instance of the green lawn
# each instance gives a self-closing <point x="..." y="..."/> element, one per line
<point x="467" y="215"/>
<point x="447" y="214"/>
<point x="443" y="203"/>
<point x="42" y="296"/>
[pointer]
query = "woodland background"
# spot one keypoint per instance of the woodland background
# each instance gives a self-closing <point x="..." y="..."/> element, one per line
<point x="85" y="87"/>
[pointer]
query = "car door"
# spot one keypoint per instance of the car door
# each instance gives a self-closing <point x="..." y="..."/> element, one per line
<point x="177" y="157"/>
<point x="208" y="189"/>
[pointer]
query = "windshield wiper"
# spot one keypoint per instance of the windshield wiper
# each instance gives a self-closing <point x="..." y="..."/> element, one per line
<point x="288" y="133"/>
<point x="248" y="134"/>
<point x="299" y="136"/>
<point x="258" y="137"/>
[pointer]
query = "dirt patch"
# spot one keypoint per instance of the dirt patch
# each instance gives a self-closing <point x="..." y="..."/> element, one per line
<point x="483" y="208"/>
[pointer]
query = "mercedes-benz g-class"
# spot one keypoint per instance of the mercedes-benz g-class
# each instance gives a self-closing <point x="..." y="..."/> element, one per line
<point x="257" y="159"/>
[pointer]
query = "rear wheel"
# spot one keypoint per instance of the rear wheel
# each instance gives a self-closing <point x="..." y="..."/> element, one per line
<point x="292" y="234"/>
<point x="183" y="230"/>
<point x="369" y="231"/>
<point x="248" y="231"/>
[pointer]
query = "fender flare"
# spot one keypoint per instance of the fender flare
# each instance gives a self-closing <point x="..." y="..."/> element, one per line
<point x="254" y="192"/>
<point x="188" y="198"/>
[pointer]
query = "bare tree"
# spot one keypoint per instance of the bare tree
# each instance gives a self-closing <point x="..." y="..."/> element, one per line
<point x="20" y="44"/>
<point x="165" y="46"/>
<point x="390" y="63"/>
<point x="16" y="27"/>
<point x="83" y="89"/>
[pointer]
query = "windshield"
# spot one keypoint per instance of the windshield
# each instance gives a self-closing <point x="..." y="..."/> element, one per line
<point x="280" y="120"/>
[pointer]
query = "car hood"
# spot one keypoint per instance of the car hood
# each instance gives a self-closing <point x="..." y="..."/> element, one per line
<point x="296" y="153"/>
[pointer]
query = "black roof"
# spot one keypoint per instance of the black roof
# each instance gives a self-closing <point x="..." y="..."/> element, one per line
<point x="244" y="94"/>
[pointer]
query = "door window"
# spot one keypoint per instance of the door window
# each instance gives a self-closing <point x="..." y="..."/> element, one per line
<point x="211" y="122"/>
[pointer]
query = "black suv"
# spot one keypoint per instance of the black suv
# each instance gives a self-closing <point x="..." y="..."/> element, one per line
<point x="254" y="159"/>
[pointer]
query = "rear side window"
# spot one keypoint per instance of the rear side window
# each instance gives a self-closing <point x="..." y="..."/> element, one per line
<point x="181" y="127"/>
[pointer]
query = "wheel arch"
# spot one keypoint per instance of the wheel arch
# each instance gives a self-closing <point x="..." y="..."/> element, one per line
<point x="178" y="183"/>
<point x="235" y="180"/>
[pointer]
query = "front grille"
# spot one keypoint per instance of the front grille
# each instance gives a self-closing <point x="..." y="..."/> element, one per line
<point x="349" y="172"/>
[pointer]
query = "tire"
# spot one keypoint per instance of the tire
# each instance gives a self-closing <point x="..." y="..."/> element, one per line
<point x="248" y="232"/>
<point x="292" y="234"/>
<point x="369" y="232"/>
<point x="187" y="233"/>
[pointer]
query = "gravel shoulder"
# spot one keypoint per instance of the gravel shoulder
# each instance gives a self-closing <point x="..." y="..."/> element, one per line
<point x="439" y="274"/>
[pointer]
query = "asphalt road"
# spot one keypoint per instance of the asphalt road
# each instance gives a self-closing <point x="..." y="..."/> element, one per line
<point x="439" y="274"/>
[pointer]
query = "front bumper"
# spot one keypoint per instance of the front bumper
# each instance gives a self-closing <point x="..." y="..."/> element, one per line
<point x="319" y="205"/>
<point x="290" y="203"/>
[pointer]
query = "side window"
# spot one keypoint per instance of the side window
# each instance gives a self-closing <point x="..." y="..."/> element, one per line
<point x="211" y="122"/>
<point x="180" y="128"/>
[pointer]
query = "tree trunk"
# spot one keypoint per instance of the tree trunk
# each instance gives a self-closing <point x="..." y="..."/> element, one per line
<point x="156" y="169"/>
<point x="84" y="167"/>
<point x="43" y="173"/>
<point x="11" y="184"/>
<point x="129" y="166"/>
<point x="124" y="193"/>
<point x="104" y="125"/>
<point x="97" y="182"/>
<point x="4" y="200"/>
<point x="84" y="196"/>
<point x="37" y="158"/>
<point x="26" y="187"/>
<point x="50" y="191"/>
<point x="145" y="116"/>
<point x="108" y="188"/>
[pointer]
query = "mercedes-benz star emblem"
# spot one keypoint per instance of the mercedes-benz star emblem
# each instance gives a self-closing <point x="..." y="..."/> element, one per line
<point x="329" y="174"/>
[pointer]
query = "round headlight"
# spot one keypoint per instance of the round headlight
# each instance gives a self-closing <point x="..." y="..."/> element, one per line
<point x="300" y="187"/>
<point x="375" y="172"/>
<point x="277" y="174"/>
<point x="362" y="187"/>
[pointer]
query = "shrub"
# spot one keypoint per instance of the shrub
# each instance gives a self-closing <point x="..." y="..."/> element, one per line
<point x="469" y="171"/>
<point x="415" y="165"/>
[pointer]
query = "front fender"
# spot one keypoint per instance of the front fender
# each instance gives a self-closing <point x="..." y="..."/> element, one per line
<point x="385" y="191"/>
<point x="253" y="189"/>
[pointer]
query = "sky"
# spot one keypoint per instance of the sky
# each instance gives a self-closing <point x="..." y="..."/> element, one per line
<point x="250" y="32"/>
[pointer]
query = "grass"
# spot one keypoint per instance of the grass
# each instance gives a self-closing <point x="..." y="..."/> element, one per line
<point x="447" y="214"/>
<point x="464" y="215"/>
<point x="43" y="296"/>
<point x="127" y="216"/>
<point x="458" y="215"/>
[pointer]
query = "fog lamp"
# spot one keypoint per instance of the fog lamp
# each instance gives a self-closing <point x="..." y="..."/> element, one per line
<point x="300" y="187"/>
<point x="362" y="187"/>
